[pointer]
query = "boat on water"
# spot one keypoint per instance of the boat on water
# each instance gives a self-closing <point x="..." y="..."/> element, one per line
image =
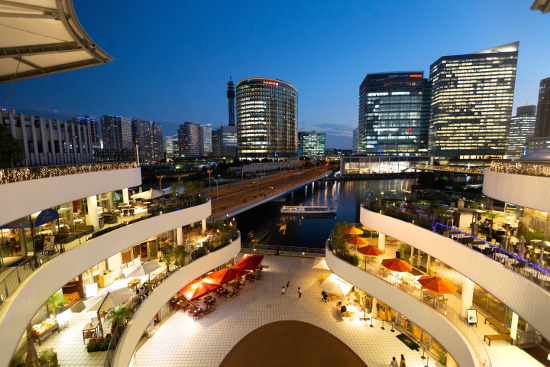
<point x="301" y="210"/>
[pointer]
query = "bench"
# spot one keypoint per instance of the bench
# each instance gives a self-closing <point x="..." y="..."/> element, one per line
<point x="498" y="337"/>
<point x="497" y="325"/>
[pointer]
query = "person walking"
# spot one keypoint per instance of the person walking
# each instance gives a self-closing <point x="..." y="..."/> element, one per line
<point x="283" y="291"/>
<point x="402" y="363"/>
<point x="299" y="292"/>
<point x="393" y="363"/>
<point x="287" y="284"/>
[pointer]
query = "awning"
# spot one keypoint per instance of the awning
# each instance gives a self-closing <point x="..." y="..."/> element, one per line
<point x="335" y="285"/>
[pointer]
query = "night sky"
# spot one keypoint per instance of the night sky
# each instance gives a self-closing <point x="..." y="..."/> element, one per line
<point x="174" y="58"/>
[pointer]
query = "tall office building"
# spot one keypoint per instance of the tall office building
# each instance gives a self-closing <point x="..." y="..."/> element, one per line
<point x="92" y="122"/>
<point x="172" y="148"/>
<point x="394" y="113"/>
<point x="267" y="118"/>
<point x="190" y="140"/>
<point x="206" y="136"/>
<point x="354" y="142"/>
<point x="216" y="143"/>
<point x="472" y="97"/>
<point x="311" y="144"/>
<point x="116" y="132"/>
<point x="147" y="135"/>
<point x="158" y="142"/>
<point x="542" y="127"/>
<point x="231" y="101"/>
<point x="522" y="127"/>
<point x="228" y="141"/>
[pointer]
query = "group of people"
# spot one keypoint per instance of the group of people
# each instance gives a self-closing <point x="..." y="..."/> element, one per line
<point x="285" y="289"/>
<point x="401" y="364"/>
<point x="143" y="291"/>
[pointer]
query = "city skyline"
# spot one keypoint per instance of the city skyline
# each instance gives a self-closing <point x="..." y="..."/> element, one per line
<point x="327" y="62"/>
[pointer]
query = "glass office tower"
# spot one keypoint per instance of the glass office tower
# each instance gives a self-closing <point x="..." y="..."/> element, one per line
<point x="472" y="97"/>
<point x="311" y="144"/>
<point x="267" y="118"/>
<point x="522" y="127"/>
<point x="394" y="115"/>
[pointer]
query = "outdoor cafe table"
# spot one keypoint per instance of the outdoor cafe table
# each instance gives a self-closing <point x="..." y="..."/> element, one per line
<point x="132" y="284"/>
<point x="91" y="326"/>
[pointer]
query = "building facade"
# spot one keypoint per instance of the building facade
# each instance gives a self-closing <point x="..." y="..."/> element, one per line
<point x="542" y="127"/>
<point x="311" y="144"/>
<point x="231" y="101"/>
<point x="172" y="148"/>
<point x="267" y="118"/>
<point x="472" y="97"/>
<point x="50" y="142"/>
<point x="522" y="127"/>
<point x="228" y="141"/>
<point x="116" y="132"/>
<point x="190" y="140"/>
<point x="206" y="134"/>
<point x="394" y="114"/>
<point x="147" y="136"/>
<point x="92" y="122"/>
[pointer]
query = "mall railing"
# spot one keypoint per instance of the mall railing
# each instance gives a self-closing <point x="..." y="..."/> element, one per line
<point x="521" y="168"/>
<point x="472" y="171"/>
<point x="160" y="277"/>
<point x="436" y="303"/>
<point x="284" y="250"/>
<point x="528" y="269"/>
<point x="11" y="175"/>
<point x="23" y="270"/>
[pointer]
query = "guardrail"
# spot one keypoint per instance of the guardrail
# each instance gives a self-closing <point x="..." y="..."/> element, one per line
<point x="22" y="271"/>
<point x="436" y="303"/>
<point x="284" y="250"/>
<point x="473" y="171"/>
<point x="11" y="175"/>
<point x="521" y="168"/>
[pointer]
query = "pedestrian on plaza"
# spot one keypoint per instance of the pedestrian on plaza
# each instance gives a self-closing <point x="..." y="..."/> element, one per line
<point x="402" y="364"/>
<point x="287" y="284"/>
<point x="299" y="292"/>
<point x="393" y="363"/>
<point x="283" y="291"/>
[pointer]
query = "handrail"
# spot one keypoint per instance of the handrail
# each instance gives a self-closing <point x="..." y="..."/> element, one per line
<point x="451" y="315"/>
<point x="523" y="267"/>
<point x="521" y="168"/>
<point x="295" y="250"/>
<point x="22" y="271"/>
<point x="235" y="234"/>
<point x="11" y="175"/>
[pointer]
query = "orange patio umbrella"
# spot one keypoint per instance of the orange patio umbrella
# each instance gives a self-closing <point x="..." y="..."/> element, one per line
<point x="437" y="284"/>
<point x="199" y="288"/>
<point x="228" y="274"/>
<point x="357" y="241"/>
<point x="250" y="262"/>
<point x="397" y="265"/>
<point x="370" y="250"/>
<point x="353" y="231"/>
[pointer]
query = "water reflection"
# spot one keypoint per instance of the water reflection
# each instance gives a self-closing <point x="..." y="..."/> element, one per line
<point x="265" y="225"/>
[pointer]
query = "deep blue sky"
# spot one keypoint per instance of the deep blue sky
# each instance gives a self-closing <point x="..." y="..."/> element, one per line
<point x="174" y="58"/>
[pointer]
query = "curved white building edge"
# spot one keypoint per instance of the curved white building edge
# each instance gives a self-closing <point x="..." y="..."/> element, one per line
<point x="423" y="315"/>
<point x="524" y="297"/>
<point x="162" y="294"/>
<point x="18" y="310"/>
<point x="27" y="197"/>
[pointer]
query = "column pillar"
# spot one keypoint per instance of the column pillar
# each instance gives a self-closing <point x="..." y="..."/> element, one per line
<point x="428" y="264"/>
<point x="419" y="261"/>
<point x="381" y="241"/>
<point x="373" y="311"/>
<point x="203" y="225"/>
<point x="125" y="197"/>
<point x="514" y="327"/>
<point x="179" y="236"/>
<point x="92" y="218"/>
<point x="467" y="296"/>
<point x="412" y="255"/>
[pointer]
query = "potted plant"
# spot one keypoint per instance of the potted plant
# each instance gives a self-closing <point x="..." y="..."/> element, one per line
<point x="48" y="357"/>
<point x="118" y="316"/>
<point x="55" y="302"/>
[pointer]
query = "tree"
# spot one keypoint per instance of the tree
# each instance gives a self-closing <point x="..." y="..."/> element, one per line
<point x="119" y="315"/>
<point x="492" y="217"/>
<point x="55" y="302"/>
<point x="11" y="149"/>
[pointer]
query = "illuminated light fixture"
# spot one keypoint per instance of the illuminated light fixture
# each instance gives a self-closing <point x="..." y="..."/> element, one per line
<point x="415" y="75"/>
<point x="270" y="83"/>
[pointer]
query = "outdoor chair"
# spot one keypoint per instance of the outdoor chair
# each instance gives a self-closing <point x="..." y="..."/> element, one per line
<point x="88" y="334"/>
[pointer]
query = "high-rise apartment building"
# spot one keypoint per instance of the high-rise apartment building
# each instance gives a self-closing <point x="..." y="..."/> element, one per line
<point x="147" y="135"/>
<point x="472" y="97"/>
<point x="522" y="127"/>
<point x="92" y="122"/>
<point x="267" y="118"/>
<point x="190" y="140"/>
<point x="116" y="132"/>
<point x="206" y="136"/>
<point x="394" y="114"/>
<point x="231" y="101"/>
<point x="172" y="148"/>
<point x="311" y="144"/>
<point x="158" y="142"/>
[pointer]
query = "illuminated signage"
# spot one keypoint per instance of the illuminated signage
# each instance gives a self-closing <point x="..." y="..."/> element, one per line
<point x="271" y="83"/>
<point x="415" y="75"/>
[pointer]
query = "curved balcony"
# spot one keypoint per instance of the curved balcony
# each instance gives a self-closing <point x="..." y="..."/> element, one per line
<point x="446" y="331"/>
<point x="18" y="310"/>
<point x="162" y="294"/>
<point x="26" y="191"/>
<point x="523" y="296"/>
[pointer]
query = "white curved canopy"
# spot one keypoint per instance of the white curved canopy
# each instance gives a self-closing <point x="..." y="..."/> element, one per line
<point x="42" y="37"/>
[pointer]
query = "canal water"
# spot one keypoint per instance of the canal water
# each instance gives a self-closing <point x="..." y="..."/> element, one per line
<point x="265" y="225"/>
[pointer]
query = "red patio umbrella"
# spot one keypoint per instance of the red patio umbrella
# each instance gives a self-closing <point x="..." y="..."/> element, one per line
<point x="199" y="288"/>
<point x="228" y="274"/>
<point x="370" y="250"/>
<point x="250" y="262"/>
<point x="437" y="284"/>
<point x="396" y="265"/>
<point x="357" y="241"/>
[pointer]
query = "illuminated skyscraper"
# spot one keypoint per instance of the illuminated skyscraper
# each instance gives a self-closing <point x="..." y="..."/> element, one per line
<point x="90" y="121"/>
<point x="116" y="132"/>
<point x="311" y="144"/>
<point x="522" y="126"/>
<point x="206" y="137"/>
<point x="472" y="97"/>
<point x="147" y="135"/>
<point x="267" y="118"/>
<point x="231" y="101"/>
<point x="394" y="113"/>
<point x="190" y="140"/>
<point x="542" y="128"/>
